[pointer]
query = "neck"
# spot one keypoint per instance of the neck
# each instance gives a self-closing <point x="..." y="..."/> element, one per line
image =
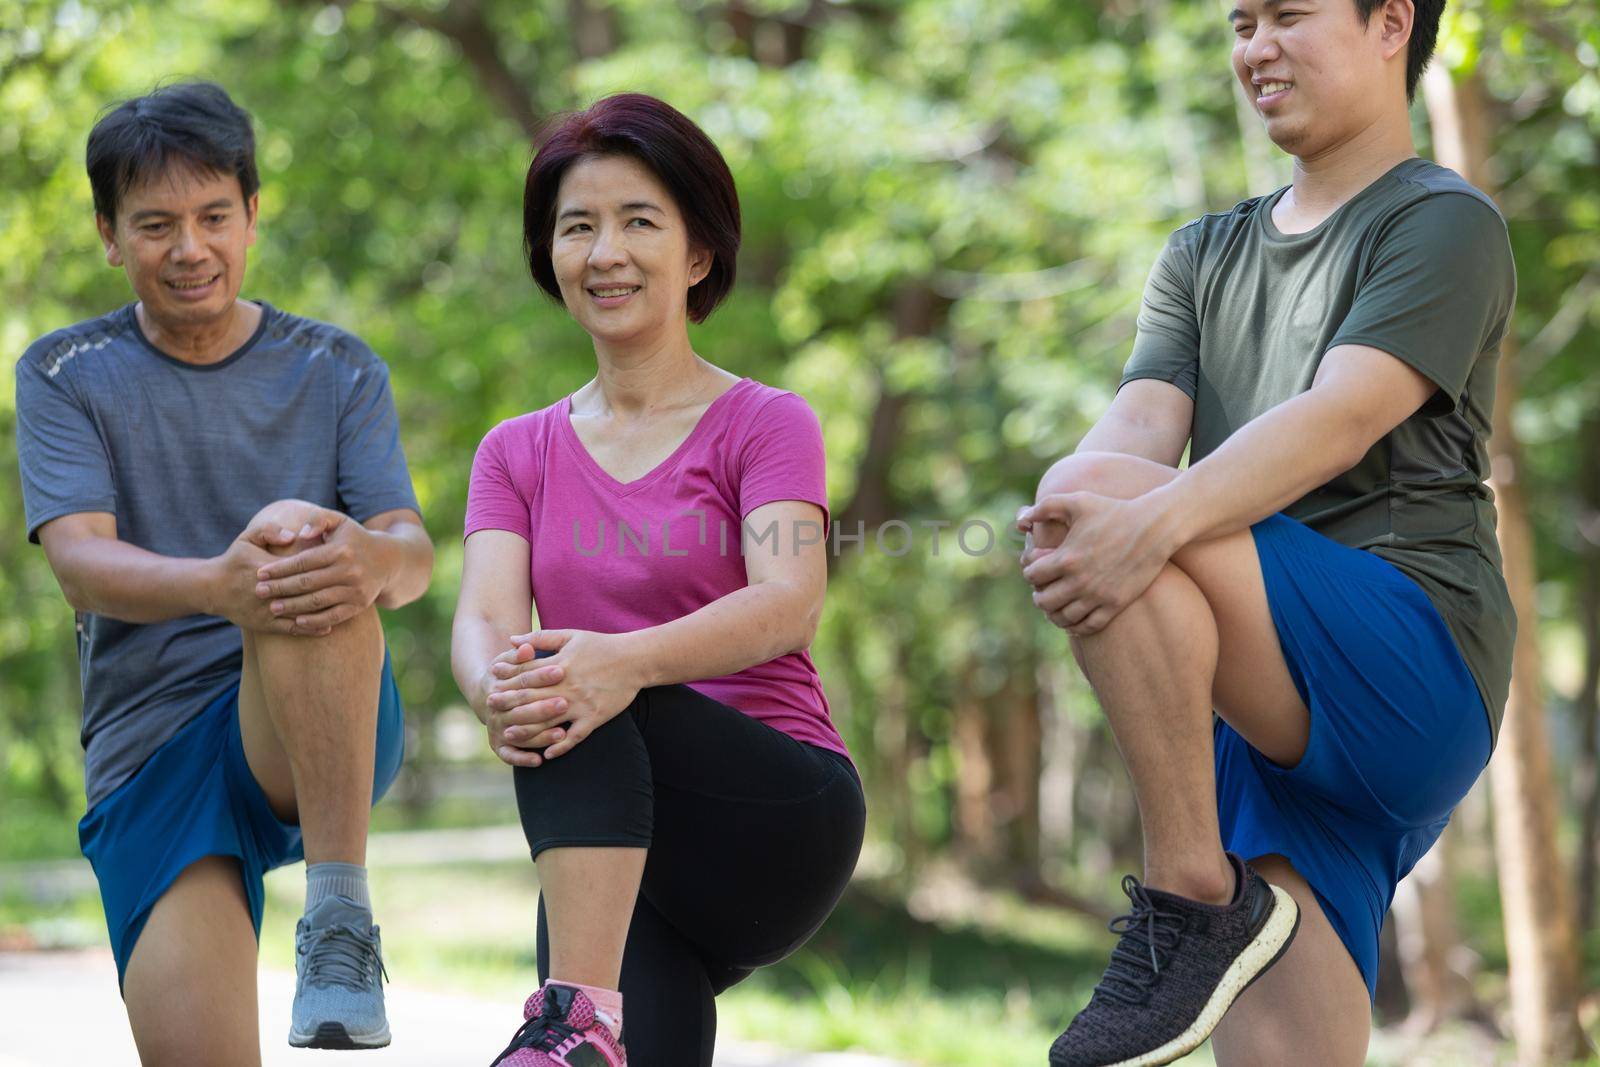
<point x="639" y="378"/>
<point x="1326" y="179"/>
<point x="203" y="342"/>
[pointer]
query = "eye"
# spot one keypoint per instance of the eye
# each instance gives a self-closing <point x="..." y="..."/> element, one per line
<point x="578" y="227"/>
<point x="1243" y="29"/>
<point x="153" y="228"/>
<point x="216" y="218"/>
<point x="1289" y="16"/>
<point x="645" y="221"/>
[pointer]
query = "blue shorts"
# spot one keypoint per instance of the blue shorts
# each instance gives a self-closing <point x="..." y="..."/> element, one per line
<point x="196" y="797"/>
<point x="1398" y="732"/>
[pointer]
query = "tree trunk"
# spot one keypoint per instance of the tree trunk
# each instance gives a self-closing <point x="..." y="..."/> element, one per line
<point x="1541" y="940"/>
<point x="1587" y="706"/>
<point x="1428" y="938"/>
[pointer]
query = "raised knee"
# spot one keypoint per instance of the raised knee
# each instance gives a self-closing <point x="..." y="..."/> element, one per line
<point x="1106" y="473"/>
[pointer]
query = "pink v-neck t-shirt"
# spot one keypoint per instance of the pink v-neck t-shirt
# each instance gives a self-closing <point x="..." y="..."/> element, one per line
<point x="614" y="557"/>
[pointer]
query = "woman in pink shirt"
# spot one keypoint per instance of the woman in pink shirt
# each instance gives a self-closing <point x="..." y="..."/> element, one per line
<point x="686" y="798"/>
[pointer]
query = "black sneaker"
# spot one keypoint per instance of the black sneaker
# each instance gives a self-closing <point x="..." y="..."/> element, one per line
<point x="1176" y="971"/>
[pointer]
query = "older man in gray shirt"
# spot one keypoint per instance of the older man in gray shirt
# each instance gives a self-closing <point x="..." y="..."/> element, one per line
<point x="220" y="490"/>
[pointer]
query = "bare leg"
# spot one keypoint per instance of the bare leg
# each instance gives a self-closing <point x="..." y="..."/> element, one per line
<point x="308" y="711"/>
<point x="190" y="986"/>
<point x="1311" y="1008"/>
<point x="589" y="894"/>
<point x="1200" y="637"/>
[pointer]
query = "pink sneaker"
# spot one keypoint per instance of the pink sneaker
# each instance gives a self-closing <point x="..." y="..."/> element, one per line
<point x="562" y="1030"/>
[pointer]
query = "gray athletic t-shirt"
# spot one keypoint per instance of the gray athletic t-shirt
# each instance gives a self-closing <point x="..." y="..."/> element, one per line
<point x="184" y="456"/>
<point x="1238" y="315"/>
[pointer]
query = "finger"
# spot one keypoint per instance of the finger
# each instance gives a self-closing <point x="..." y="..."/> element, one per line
<point x="1056" y="596"/>
<point x="512" y="676"/>
<point x="510" y="655"/>
<point x="518" y="757"/>
<point x="321" y="524"/>
<point x="297" y="584"/>
<point x="269" y="535"/>
<point x="309" y="559"/>
<point x="523" y="707"/>
<point x="575" y="733"/>
<point x="1048" y="567"/>
<point x="310" y="603"/>
<point x="1076" y="615"/>
<point x="543" y="640"/>
<point x="534" y="737"/>
<point x="325" y="621"/>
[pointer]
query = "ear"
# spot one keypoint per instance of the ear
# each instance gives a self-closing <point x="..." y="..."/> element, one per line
<point x="252" y="211"/>
<point x="700" y="260"/>
<point x="108" y="237"/>
<point x="1395" y="20"/>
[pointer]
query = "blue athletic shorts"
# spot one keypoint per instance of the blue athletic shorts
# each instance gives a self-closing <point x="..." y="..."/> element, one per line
<point x="196" y="797"/>
<point x="1398" y="732"/>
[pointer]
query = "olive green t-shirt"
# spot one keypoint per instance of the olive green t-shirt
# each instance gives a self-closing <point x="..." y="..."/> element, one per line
<point x="1238" y="315"/>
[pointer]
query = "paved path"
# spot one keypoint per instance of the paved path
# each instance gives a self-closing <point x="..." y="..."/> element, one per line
<point x="60" y="1009"/>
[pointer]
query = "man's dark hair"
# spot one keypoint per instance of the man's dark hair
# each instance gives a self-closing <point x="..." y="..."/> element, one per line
<point x="1424" y="35"/>
<point x="195" y="124"/>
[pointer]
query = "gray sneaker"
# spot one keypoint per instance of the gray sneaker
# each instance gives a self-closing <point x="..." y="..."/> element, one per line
<point x="338" y="997"/>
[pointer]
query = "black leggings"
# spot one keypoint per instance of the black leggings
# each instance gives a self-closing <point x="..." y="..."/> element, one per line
<point x="752" y="835"/>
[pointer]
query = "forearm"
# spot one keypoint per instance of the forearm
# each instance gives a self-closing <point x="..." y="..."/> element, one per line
<point x="1128" y="438"/>
<point x="105" y="576"/>
<point x="475" y="641"/>
<point x="748" y="626"/>
<point x="404" y="554"/>
<point x="1266" y="465"/>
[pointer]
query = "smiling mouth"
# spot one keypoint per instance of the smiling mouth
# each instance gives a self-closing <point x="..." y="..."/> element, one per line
<point x="1267" y="90"/>
<point x="189" y="286"/>
<point x="612" y="292"/>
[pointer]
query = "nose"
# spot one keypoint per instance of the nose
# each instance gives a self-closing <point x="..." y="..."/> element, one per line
<point x="187" y="246"/>
<point x="1261" y="49"/>
<point x="608" y="249"/>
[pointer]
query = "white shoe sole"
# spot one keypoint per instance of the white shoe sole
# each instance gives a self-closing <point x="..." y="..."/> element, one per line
<point x="334" y="1036"/>
<point x="1252" y="963"/>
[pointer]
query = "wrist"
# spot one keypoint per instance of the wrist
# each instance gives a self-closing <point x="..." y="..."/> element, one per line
<point x="208" y="576"/>
<point x="638" y="659"/>
<point x="1172" y="521"/>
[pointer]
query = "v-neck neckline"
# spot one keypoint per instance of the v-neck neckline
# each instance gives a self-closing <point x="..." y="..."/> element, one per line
<point x="610" y="481"/>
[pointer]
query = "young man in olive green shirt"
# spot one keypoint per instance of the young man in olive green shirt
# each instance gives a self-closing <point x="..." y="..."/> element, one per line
<point x="1324" y="575"/>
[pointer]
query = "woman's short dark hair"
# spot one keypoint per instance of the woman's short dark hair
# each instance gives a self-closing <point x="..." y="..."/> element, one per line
<point x="195" y="123"/>
<point x="674" y="149"/>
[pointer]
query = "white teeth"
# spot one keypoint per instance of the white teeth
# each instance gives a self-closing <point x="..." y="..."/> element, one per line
<point x="607" y="293"/>
<point x="194" y="285"/>
<point x="1268" y="88"/>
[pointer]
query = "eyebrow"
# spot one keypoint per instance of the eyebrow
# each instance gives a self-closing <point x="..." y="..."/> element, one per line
<point x="149" y="213"/>
<point x="1236" y="14"/>
<point x="632" y="205"/>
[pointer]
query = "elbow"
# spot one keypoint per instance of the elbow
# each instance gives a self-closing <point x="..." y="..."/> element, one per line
<point x="806" y="626"/>
<point x="412" y="583"/>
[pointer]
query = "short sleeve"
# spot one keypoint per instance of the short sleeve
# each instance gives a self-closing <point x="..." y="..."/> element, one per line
<point x="782" y="457"/>
<point x="373" y="477"/>
<point x="1166" y="346"/>
<point x="65" y="468"/>
<point x="493" y="502"/>
<point x="1437" y="292"/>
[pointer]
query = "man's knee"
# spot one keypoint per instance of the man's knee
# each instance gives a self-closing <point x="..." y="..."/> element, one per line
<point x="1105" y="473"/>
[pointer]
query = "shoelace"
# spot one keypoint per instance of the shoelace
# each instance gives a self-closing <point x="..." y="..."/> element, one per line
<point x="343" y="954"/>
<point x="543" y="1033"/>
<point x="1131" y="973"/>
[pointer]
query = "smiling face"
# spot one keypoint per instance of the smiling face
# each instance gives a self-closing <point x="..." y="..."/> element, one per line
<point x="1315" y="72"/>
<point x="621" y="251"/>
<point x="181" y="237"/>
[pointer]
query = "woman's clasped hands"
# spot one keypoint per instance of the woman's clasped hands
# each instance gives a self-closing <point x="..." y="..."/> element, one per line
<point x="539" y="707"/>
